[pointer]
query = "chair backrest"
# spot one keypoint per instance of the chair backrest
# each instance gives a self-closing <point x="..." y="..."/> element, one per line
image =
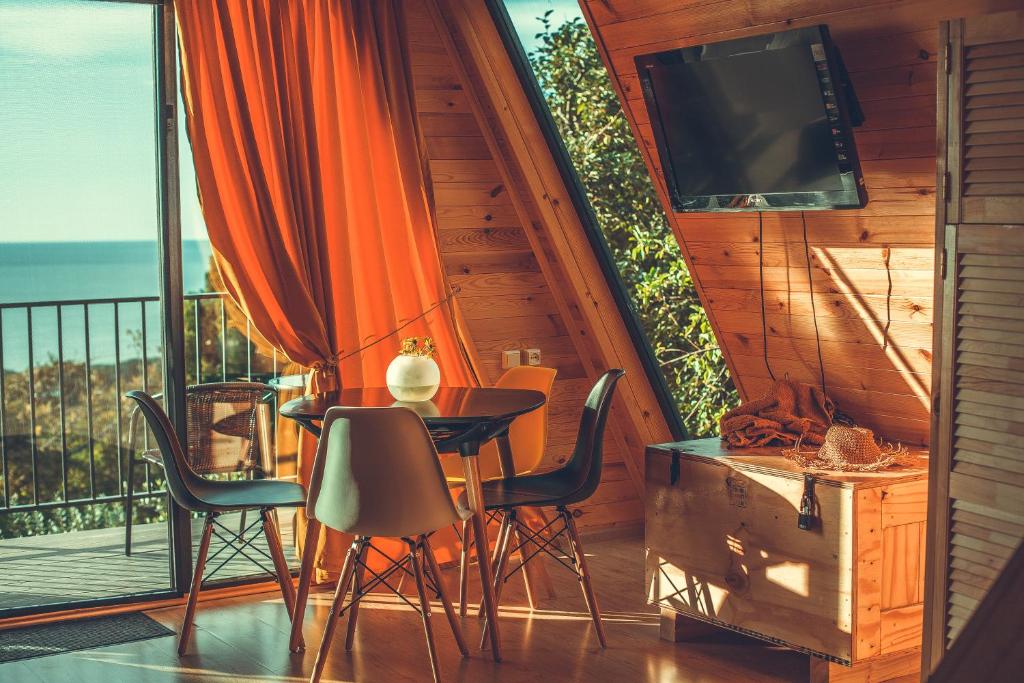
<point x="528" y="433"/>
<point x="181" y="479"/>
<point x="377" y="474"/>
<point x="584" y="467"/>
<point x="228" y="425"/>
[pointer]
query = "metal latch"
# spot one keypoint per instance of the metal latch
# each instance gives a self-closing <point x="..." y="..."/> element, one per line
<point x="808" y="518"/>
<point x="673" y="472"/>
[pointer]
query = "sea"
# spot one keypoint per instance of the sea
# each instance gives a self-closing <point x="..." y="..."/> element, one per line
<point x="33" y="272"/>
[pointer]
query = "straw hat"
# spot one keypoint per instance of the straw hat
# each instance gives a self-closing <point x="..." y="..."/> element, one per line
<point x="850" y="449"/>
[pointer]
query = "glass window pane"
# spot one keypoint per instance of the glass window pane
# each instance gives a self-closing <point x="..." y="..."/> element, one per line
<point x="79" y="308"/>
<point x="597" y="136"/>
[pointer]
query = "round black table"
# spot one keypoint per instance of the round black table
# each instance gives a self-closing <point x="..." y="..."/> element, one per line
<point x="460" y="419"/>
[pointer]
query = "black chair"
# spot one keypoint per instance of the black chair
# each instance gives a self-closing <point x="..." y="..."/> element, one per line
<point x="573" y="483"/>
<point x="228" y="426"/>
<point x="212" y="497"/>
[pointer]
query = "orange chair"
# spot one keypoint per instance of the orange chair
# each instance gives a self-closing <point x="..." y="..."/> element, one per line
<point x="527" y="436"/>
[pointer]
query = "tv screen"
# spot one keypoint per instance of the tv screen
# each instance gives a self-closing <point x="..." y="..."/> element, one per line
<point x="755" y="124"/>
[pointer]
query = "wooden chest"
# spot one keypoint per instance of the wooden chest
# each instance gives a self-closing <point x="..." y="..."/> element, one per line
<point x="723" y="546"/>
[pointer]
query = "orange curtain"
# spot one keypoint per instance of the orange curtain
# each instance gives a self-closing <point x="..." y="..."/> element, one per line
<point x="303" y="128"/>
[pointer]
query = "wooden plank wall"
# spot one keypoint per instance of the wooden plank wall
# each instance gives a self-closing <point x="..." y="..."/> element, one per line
<point x="505" y="297"/>
<point x="872" y="269"/>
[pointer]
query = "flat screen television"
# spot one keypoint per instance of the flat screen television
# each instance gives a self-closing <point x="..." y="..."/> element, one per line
<point x="756" y="124"/>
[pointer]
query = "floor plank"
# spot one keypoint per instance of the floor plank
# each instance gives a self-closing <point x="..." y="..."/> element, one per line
<point x="244" y="639"/>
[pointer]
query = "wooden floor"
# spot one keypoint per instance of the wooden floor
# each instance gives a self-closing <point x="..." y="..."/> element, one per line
<point x="83" y="565"/>
<point x="244" y="639"/>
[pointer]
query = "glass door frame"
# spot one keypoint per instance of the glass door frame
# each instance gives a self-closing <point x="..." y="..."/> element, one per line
<point x="172" y="292"/>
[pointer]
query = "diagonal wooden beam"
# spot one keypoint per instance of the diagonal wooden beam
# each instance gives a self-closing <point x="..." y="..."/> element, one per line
<point x="555" y="231"/>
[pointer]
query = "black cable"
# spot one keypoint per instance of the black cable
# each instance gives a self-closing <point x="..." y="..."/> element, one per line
<point x="814" y="313"/>
<point x="760" y="269"/>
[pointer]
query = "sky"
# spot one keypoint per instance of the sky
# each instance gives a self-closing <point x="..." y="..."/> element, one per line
<point x="524" y="15"/>
<point x="77" y="137"/>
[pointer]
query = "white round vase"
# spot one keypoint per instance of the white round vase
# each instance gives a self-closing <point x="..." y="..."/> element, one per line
<point x="413" y="378"/>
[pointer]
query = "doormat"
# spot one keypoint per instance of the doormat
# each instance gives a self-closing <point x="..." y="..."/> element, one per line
<point x="57" y="638"/>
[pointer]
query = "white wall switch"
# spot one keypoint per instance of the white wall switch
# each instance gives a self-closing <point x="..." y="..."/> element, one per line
<point x="533" y="356"/>
<point x="510" y="358"/>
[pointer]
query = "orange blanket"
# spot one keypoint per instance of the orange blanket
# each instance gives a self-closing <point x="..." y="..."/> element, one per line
<point x="789" y="411"/>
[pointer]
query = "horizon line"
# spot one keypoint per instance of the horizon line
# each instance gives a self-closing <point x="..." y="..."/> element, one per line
<point x="153" y="241"/>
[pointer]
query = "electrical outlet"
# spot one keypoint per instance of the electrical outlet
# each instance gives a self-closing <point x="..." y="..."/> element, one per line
<point x="533" y="356"/>
<point x="510" y="358"/>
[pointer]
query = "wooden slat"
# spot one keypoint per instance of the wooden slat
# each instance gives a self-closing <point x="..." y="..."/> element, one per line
<point x="902" y="568"/>
<point x="983" y="491"/>
<point x="1003" y="464"/>
<point x="974" y="569"/>
<point x="989" y="536"/>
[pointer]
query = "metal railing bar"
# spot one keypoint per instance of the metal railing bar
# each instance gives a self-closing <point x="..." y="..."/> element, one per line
<point x="75" y="502"/>
<point x="88" y="403"/>
<point x="63" y="414"/>
<point x="117" y="395"/>
<point x="145" y="388"/>
<point x="32" y="408"/>
<point x="104" y="300"/>
<point x="248" y="348"/>
<point x="3" y="420"/>
<point x="196" y="308"/>
<point x="223" y="343"/>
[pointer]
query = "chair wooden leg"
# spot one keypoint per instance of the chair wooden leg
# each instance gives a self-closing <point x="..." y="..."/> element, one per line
<point x="295" y="642"/>
<point x="417" y="570"/>
<point x="344" y="583"/>
<point x="499" y="544"/>
<point x="508" y="522"/>
<point x="467" y="536"/>
<point x="197" y="584"/>
<point x="435" y="571"/>
<point x="284" y="574"/>
<point x="584" y="575"/>
<point x="357" y="584"/>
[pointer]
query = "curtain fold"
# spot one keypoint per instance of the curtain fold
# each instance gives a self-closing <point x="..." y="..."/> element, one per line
<point x="303" y="127"/>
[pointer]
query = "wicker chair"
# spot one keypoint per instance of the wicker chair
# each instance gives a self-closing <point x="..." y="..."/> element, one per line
<point x="228" y="427"/>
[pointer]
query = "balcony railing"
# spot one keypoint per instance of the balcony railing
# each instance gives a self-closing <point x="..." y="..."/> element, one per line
<point x="64" y="367"/>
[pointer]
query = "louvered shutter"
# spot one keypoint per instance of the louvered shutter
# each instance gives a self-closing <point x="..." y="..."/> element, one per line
<point x="977" y="490"/>
<point x="986" y="423"/>
<point x="993" y="113"/>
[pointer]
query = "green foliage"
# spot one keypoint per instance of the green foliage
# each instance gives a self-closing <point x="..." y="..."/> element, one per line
<point x="604" y="151"/>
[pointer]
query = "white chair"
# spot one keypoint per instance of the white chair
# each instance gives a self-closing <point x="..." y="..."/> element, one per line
<point x="377" y="474"/>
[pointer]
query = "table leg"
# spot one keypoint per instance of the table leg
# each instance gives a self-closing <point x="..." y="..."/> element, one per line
<point x="474" y="493"/>
<point x="295" y="642"/>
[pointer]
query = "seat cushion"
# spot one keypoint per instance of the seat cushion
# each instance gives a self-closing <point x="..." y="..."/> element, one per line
<point x="550" y="488"/>
<point x="228" y="495"/>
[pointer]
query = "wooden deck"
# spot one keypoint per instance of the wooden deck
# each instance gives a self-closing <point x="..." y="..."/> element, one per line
<point x="84" y="565"/>
<point x="245" y="639"/>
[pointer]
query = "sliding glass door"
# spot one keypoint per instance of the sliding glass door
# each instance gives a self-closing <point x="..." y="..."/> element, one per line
<point x="81" y="312"/>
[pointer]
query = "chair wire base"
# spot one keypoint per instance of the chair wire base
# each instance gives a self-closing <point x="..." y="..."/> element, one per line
<point x="420" y="564"/>
<point x="515" y="536"/>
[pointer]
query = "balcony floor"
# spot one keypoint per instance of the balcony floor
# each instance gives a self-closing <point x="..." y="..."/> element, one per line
<point x="245" y="639"/>
<point x="84" y="565"/>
